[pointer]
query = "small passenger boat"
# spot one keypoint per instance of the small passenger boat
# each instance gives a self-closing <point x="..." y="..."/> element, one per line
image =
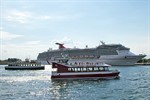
<point x="97" y="70"/>
<point x="24" y="66"/>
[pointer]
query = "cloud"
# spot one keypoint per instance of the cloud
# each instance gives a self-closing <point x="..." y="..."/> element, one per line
<point x="65" y="40"/>
<point x="32" y="42"/>
<point x="8" y="36"/>
<point x="58" y="17"/>
<point x="68" y="42"/>
<point x="18" y="16"/>
<point x="45" y="17"/>
<point x="51" y="17"/>
<point x="25" y="17"/>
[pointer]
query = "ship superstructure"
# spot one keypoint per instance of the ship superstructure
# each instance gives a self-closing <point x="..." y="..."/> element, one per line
<point x="113" y="54"/>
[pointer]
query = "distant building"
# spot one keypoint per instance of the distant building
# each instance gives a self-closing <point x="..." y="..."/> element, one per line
<point x="27" y="60"/>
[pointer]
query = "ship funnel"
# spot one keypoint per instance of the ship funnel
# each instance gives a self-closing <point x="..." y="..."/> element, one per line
<point x="61" y="45"/>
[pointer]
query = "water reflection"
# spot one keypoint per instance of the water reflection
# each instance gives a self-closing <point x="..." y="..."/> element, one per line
<point x="67" y="89"/>
<point x="59" y="89"/>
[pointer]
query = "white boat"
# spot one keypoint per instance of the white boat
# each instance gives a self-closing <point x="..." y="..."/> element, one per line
<point x="24" y="66"/>
<point x="113" y="54"/>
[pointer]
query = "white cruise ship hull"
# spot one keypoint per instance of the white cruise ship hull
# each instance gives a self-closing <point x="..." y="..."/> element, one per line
<point x="115" y="60"/>
<point x="121" y="60"/>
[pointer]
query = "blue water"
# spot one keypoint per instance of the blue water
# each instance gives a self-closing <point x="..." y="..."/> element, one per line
<point x="134" y="84"/>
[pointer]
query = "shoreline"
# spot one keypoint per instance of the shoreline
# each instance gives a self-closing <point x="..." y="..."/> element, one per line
<point x="142" y="63"/>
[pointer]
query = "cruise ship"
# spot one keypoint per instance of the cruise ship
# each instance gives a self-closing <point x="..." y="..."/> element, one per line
<point x="113" y="54"/>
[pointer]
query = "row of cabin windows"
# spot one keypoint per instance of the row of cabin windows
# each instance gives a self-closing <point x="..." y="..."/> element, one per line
<point x="81" y="52"/>
<point x="87" y="64"/>
<point x="88" y="69"/>
<point x="24" y="65"/>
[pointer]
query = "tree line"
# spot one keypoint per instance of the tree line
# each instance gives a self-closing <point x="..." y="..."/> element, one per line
<point x="144" y="61"/>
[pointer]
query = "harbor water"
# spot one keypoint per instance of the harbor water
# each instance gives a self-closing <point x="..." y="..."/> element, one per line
<point x="133" y="84"/>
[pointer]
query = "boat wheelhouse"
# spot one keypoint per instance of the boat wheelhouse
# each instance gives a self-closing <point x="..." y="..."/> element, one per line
<point x="98" y="70"/>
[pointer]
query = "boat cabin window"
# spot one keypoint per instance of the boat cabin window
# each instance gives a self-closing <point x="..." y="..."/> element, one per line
<point x="89" y="69"/>
<point x="96" y="69"/>
<point x="69" y="69"/>
<point x="100" y="68"/>
<point x="79" y="69"/>
<point x="72" y="69"/>
<point x="84" y="69"/>
<point x="75" y="69"/>
<point x="54" y="70"/>
<point x="105" y="68"/>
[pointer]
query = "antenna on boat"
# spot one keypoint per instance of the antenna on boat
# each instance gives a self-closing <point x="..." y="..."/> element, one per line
<point x="103" y="43"/>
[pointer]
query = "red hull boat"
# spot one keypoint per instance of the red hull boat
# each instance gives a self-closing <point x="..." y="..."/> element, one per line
<point x="83" y="71"/>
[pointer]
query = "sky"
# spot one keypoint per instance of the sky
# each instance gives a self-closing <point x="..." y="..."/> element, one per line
<point x="29" y="27"/>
